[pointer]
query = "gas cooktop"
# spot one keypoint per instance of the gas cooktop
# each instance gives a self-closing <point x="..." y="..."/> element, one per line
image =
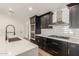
<point x="56" y="36"/>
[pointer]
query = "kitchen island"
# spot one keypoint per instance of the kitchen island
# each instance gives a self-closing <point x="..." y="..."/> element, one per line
<point x="18" y="48"/>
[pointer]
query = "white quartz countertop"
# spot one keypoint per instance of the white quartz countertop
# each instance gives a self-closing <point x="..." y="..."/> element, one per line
<point x="71" y="40"/>
<point x="15" y="48"/>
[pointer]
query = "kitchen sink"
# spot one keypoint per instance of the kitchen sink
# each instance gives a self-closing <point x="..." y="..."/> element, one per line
<point x="56" y="36"/>
<point x="13" y="39"/>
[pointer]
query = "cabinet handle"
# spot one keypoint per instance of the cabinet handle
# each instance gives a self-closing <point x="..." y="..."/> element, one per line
<point x="68" y="51"/>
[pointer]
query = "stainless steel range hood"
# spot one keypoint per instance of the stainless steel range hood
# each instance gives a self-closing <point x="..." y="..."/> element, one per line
<point x="60" y="23"/>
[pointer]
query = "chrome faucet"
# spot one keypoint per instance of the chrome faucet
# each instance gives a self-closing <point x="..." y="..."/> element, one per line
<point x="6" y="32"/>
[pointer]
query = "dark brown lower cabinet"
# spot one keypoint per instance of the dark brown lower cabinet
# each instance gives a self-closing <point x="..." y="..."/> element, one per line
<point x="52" y="46"/>
<point x="56" y="47"/>
<point x="40" y="42"/>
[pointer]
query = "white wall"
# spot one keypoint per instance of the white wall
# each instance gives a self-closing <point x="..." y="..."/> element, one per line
<point x="6" y="20"/>
<point x="27" y="28"/>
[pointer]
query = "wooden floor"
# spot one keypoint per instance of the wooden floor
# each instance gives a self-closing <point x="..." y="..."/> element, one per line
<point x="43" y="53"/>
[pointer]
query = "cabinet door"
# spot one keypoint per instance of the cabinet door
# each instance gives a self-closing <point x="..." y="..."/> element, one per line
<point x="38" y="26"/>
<point x="40" y="41"/>
<point x="74" y="16"/>
<point x="46" y="20"/>
<point x="64" y="49"/>
<point x="50" y="20"/>
<point x="32" y="20"/>
<point x="73" y="49"/>
<point x="55" y="47"/>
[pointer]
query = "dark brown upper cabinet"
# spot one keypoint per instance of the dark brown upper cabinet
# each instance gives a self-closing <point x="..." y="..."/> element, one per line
<point x="46" y="20"/>
<point x="35" y="26"/>
<point x="37" y="23"/>
<point x="73" y="15"/>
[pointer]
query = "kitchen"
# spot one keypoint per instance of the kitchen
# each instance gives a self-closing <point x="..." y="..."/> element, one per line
<point x="43" y="29"/>
<point x="60" y="37"/>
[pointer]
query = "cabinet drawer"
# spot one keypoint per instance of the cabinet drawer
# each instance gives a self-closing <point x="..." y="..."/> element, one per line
<point x="54" y="42"/>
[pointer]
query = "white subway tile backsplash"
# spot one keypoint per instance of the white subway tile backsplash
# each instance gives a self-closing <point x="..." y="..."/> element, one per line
<point x="60" y="31"/>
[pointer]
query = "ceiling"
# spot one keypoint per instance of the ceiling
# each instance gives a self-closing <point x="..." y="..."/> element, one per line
<point x="21" y="10"/>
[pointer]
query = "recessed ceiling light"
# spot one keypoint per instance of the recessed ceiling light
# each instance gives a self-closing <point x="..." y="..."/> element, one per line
<point x="10" y="9"/>
<point x="11" y="12"/>
<point x="30" y="8"/>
